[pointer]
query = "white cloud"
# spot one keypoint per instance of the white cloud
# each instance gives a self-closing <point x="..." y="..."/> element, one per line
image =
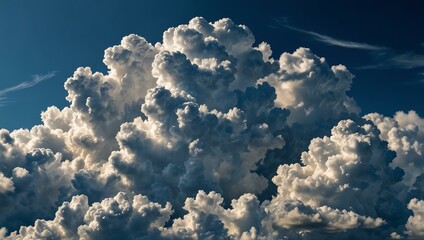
<point x="391" y="59"/>
<point x="241" y="145"/>
<point x="386" y="58"/>
<point x="336" y="42"/>
<point x="348" y="170"/>
<point x="118" y="217"/>
<point x="302" y="71"/>
<point x="414" y="226"/>
<point x="35" y="80"/>
<point x="405" y="136"/>
<point x="6" y="184"/>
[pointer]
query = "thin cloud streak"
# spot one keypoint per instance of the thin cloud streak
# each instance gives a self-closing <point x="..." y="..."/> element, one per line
<point x="422" y="77"/>
<point x="27" y="84"/>
<point x="333" y="41"/>
<point x="337" y="42"/>
<point x="400" y="61"/>
<point x="386" y="57"/>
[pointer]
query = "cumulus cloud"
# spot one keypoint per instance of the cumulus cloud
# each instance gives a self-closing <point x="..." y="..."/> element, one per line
<point x="205" y="136"/>
<point x="414" y="226"/>
<point x="405" y="136"/>
<point x="302" y="71"/>
<point x="6" y="184"/>
<point x="117" y="217"/>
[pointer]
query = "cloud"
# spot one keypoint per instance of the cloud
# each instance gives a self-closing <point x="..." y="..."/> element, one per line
<point x="385" y="57"/>
<point x="301" y="71"/>
<point x="6" y="184"/>
<point x="119" y="217"/>
<point x="392" y="59"/>
<point x="421" y="76"/>
<point x="334" y="41"/>
<point x="414" y="225"/>
<point x="35" y="80"/>
<point x="405" y="136"/>
<point x="204" y="135"/>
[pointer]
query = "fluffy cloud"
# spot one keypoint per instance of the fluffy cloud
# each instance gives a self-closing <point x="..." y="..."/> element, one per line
<point x="117" y="217"/>
<point x="349" y="168"/>
<point x="6" y="184"/>
<point x="405" y="135"/>
<point x="312" y="90"/>
<point x="201" y="149"/>
<point x="32" y="181"/>
<point x="348" y="172"/>
<point x="206" y="136"/>
<point x="414" y="226"/>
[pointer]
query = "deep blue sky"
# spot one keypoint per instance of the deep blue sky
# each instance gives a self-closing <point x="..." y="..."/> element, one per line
<point x="38" y="37"/>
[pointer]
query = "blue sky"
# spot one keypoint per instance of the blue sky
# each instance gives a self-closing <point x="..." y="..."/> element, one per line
<point x="42" y="42"/>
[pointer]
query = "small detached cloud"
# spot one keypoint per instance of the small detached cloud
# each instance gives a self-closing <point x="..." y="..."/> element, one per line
<point x="206" y="136"/>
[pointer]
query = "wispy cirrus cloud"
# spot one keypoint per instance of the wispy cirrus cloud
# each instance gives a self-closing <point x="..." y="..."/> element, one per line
<point x="421" y="77"/>
<point x="385" y="57"/>
<point x="330" y="40"/>
<point x="27" y="84"/>
<point x="336" y="42"/>
<point x="390" y="59"/>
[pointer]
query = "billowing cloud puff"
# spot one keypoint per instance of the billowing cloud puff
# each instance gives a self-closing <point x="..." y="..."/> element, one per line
<point x="117" y="217"/>
<point x="32" y="181"/>
<point x="206" y="136"/>
<point x="405" y="135"/>
<point x="349" y="168"/>
<point x="197" y="148"/>
<point x="6" y="184"/>
<point x="310" y="89"/>
<point x="349" y="171"/>
<point x="414" y="226"/>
